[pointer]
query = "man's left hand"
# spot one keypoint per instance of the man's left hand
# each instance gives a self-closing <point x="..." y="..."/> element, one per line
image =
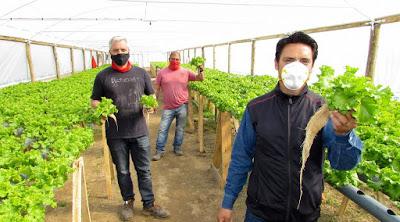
<point x="343" y="124"/>
<point x="149" y="110"/>
<point x="200" y="68"/>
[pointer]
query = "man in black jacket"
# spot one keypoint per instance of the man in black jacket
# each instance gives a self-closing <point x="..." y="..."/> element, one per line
<point x="269" y="141"/>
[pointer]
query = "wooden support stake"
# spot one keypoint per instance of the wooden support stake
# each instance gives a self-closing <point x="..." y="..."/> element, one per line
<point x="190" y="112"/>
<point x="253" y="55"/>
<point x="57" y="62"/>
<point x="201" y="124"/>
<point x="379" y="196"/>
<point x="217" y="158"/>
<point x="84" y="59"/>
<point x="108" y="167"/>
<point x="79" y="173"/>
<point x="373" y="50"/>
<point x="229" y="57"/>
<point x="30" y="63"/>
<point x="226" y="143"/>
<point x="214" y="59"/>
<point x="72" y="61"/>
<point x="343" y="206"/>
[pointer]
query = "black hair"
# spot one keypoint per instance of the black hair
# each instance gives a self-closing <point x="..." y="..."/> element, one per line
<point x="297" y="37"/>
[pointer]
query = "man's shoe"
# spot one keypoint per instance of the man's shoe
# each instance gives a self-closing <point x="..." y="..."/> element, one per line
<point x="178" y="152"/>
<point x="157" y="156"/>
<point x="156" y="211"/>
<point x="126" y="211"/>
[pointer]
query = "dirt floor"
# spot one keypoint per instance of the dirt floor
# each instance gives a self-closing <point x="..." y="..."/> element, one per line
<point x="184" y="185"/>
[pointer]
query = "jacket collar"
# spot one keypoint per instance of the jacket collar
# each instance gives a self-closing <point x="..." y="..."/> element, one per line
<point x="279" y="92"/>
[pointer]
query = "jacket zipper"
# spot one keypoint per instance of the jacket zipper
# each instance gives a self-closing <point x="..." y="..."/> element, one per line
<point x="289" y="163"/>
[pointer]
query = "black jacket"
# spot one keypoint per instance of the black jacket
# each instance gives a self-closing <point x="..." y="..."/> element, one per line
<point x="273" y="190"/>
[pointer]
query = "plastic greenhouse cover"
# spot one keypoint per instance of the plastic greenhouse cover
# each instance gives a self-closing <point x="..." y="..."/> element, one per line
<point x="13" y="66"/>
<point x="43" y="70"/>
<point x="161" y="25"/>
<point x="154" y="27"/>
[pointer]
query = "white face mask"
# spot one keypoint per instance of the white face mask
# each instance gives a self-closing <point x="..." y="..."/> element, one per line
<point x="294" y="75"/>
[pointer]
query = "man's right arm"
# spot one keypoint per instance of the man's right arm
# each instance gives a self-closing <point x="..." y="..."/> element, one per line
<point x="157" y="89"/>
<point x="97" y="92"/>
<point x="241" y="162"/>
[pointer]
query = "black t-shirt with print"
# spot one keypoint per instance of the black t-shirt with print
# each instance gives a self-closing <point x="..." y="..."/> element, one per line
<point x="125" y="89"/>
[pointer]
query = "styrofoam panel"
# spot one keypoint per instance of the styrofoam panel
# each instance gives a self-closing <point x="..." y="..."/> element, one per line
<point x="64" y="58"/>
<point x="13" y="63"/>
<point x="43" y="62"/>
<point x="78" y="60"/>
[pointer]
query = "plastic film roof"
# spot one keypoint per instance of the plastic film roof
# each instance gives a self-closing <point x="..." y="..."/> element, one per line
<point x="162" y="25"/>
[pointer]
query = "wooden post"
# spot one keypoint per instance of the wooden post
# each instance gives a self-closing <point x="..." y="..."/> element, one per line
<point x="226" y="144"/>
<point x="194" y="52"/>
<point x="108" y="167"/>
<point x="217" y="161"/>
<point x="373" y="49"/>
<point x="343" y="206"/>
<point x="214" y="59"/>
<point x="203" y="54"/>
<point x="79" y="173"/>
<point x="72" y="61"/>
<point x="190" y="112"/>
<point x="84" y="59"/>
<point x="30" y="63"/>
<point x="253" y="55"/>
<point x="200" y="127"/>
<point x="57" y="62"/>
<point x="229" y="57"/>
<point x="76" y="194"/>
<point x="223" y="147"/>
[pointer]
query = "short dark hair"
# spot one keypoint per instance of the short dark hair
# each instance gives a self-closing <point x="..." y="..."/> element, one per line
<point x="297" y="37"/>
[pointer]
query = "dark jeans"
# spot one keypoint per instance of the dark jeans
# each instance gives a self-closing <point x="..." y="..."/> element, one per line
<point x="139" y="150"/>
<point x="252" y="218"/>
<point x="294" y="217"/>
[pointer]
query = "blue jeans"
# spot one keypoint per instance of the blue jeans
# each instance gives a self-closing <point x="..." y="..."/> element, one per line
<point x="168" y="115"/>
<point x="252" y="218"/>
<point x="139" y="150"/>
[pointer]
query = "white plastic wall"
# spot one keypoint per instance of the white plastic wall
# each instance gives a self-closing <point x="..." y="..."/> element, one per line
<point x="221" y="54"/>
<point x="78" y="60"/>
<point x="64" y="58"/>
<point x="208" y="52"/>
<point x="343" y="47"/>
<point x="264" y="62"/>
<point x="241" y="58"/>
<point x="88" y="59"/>
<point x="43" y="62"/>
<point x="387" y="71"/>
<point x="13" y="63"/>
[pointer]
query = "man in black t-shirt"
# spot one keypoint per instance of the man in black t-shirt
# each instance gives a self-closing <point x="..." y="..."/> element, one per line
<point x="125" y="84"/>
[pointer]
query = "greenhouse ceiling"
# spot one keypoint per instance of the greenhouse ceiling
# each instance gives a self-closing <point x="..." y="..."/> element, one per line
<point x="162" y="25"/>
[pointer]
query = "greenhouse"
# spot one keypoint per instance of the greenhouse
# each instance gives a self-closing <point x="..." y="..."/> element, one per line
<point x="89" y="91"/>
